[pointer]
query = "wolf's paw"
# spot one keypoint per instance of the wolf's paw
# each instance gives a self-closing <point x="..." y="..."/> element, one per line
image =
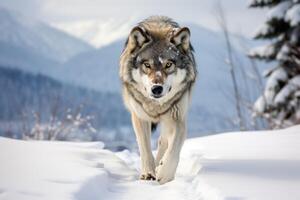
<point x="165" y="172"/>
<point x="148" y="176"/>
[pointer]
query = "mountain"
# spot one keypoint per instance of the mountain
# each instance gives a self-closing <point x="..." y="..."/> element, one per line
<point x="97" y="69"/>
<point x="26" y="59"/>
<point x="31" y="39"/>
<point x="97" y="32"/>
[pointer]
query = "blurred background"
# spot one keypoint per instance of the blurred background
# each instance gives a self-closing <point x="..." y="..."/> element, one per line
<point x="59" y="66"/>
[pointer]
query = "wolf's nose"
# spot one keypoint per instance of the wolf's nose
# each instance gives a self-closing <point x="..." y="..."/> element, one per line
<point x="157" y="90"/>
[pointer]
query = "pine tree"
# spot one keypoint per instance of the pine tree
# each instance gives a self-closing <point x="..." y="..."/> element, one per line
<point x="280" y="101"/>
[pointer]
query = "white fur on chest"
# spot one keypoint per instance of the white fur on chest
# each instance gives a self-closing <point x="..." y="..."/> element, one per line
<point x="181" y="108"/>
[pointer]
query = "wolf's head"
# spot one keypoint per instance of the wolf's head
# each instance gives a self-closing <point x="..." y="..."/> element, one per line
<point x="158" y="60"/>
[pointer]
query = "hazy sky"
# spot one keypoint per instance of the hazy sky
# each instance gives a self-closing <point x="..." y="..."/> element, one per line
<point x="241" y="19"/>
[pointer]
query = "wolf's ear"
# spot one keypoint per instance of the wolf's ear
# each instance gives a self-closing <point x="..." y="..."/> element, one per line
<point x="137" y="38"/>
<point x="181" y="38"/>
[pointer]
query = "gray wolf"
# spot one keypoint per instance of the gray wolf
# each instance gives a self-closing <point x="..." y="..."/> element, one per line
<point x="158" y="71"/>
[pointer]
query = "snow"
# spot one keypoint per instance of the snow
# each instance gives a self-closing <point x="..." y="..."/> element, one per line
<point x="264" y="29"/>
<point x="290" y="88"/>
<point x="38" y="37"/>
<point x="293" y="15"/>
<point x="262" y="51"/>
<point x="259" y="105"/>
<point x="272" y="95"/>
<point x="283" y="53"/>
<point x="278" y="12"/>
<point x="97" y="32"/>
<point x="278" y="75"/>
<point x="239" y="165"/>
<point x="285" y="10"/>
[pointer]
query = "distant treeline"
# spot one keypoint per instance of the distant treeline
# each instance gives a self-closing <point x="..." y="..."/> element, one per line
<point x="22" y="92"/>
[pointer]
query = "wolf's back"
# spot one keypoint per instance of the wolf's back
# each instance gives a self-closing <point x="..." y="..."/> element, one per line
<point x="159" y="26"/>
<point x="159" y="20"/>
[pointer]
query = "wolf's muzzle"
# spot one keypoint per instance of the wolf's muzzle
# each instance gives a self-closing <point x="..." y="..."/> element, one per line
<point x="157" y="91"/>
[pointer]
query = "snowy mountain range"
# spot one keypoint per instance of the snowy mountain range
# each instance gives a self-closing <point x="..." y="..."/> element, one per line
<point x="39" y="48"/>
<point x="97" y="33"/>
<point x="28" y="42"/>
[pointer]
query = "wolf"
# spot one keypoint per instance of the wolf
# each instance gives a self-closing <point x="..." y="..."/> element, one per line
<point x="158" y="72"/>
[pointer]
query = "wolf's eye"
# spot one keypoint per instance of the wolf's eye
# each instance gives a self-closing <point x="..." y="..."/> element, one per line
<point x="147" y="65"/>
<point x="169" y="64"/>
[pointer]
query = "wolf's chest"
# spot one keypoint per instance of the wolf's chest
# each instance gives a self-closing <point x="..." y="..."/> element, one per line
<point x="153" y="112"/>
<point x="148" y="109"/>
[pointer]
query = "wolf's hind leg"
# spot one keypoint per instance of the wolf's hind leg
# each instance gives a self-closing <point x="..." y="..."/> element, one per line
<point x="142" y="130"/>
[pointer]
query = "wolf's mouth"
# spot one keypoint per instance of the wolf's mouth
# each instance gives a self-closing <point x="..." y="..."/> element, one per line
<point x="156" y="96"/>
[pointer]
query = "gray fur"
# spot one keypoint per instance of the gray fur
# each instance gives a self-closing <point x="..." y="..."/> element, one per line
<point x="156" y="41"/>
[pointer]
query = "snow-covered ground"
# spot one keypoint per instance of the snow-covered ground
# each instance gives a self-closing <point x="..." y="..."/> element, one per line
<point x="232" y="166"/>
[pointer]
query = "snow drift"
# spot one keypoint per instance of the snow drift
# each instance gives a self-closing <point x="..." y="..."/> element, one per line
<point x="239" y="165"/>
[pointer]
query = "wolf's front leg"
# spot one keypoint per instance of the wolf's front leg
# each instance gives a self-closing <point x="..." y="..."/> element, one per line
<point x="162" y="146"/>
<point x="175" y="131"/>
<point x="142" y="130"/>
